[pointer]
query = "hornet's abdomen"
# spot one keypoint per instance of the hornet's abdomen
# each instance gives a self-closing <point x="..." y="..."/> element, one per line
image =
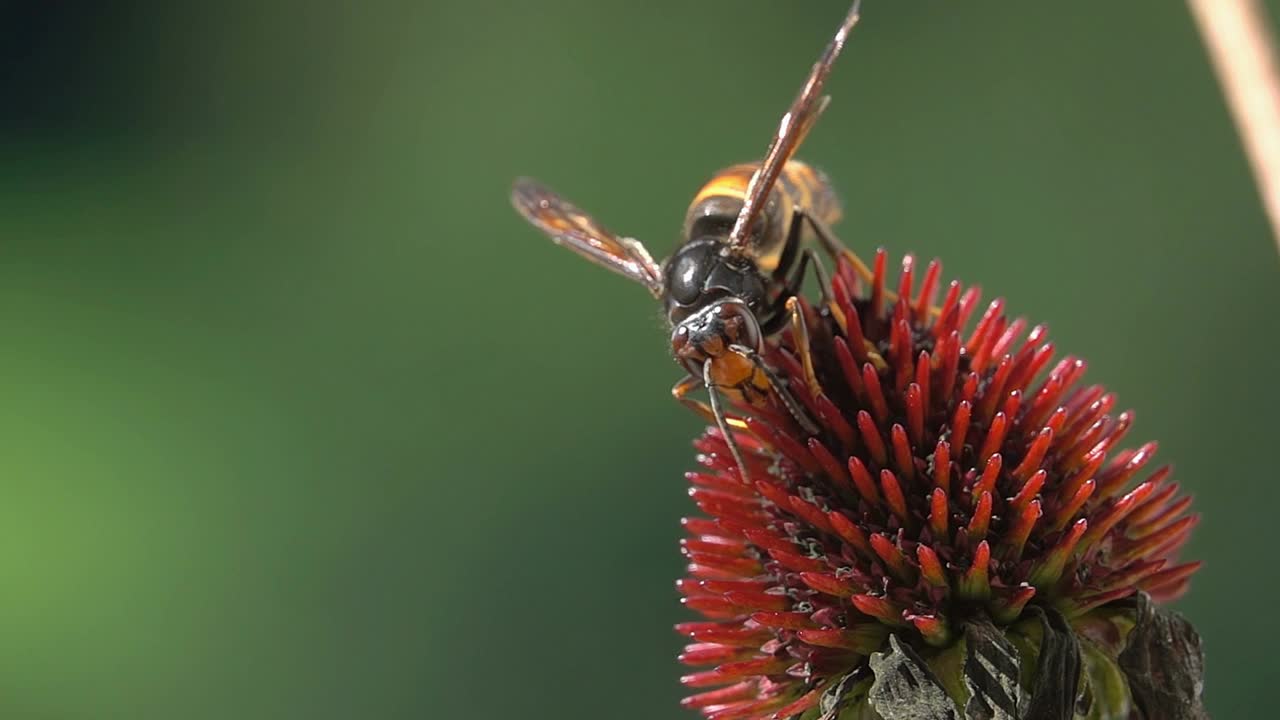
<point x="716" y="206"/>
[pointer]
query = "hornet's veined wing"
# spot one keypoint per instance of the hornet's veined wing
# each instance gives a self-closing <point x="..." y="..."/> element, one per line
<point x="804" y="111"/>
<point x="581" y="233"/>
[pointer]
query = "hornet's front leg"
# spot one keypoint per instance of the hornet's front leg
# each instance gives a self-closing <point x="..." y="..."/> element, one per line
<point x="713" y="412"/>
<point x="793" y="407"/>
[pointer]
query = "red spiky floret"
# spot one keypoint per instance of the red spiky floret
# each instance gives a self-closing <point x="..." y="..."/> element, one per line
<point x="957" y="473"/>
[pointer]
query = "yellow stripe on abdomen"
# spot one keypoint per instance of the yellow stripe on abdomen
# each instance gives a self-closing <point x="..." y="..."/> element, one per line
<point x="718" y="203"/>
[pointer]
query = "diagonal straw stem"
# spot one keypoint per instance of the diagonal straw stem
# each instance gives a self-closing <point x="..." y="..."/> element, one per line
<point x="1238" y="37"/>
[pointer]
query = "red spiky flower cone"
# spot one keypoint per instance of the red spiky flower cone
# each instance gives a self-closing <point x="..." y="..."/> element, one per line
<point x="960" y="475"/>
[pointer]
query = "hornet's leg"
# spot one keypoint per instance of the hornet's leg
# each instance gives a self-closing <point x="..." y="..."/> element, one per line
<point x="782" y="313"/>
<point x="689" y="383"/>
<point x="836" y="249"/>
<point x="801" y="331"/>
<point x="811" y="258"/>
<point x="778" y="315"/>
<point x="824" y="282"/>
<point x="722" y="422"/>
<point x="793" y="407"/>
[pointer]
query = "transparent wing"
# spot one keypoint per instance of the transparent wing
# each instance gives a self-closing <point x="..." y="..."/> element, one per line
<point x="804" y="111"/>
<point x="566" y="225"/>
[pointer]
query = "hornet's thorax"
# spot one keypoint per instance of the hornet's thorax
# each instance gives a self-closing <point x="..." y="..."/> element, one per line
<point x="718" y="296"/>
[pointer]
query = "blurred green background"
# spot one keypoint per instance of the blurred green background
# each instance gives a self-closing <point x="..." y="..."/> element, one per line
<point x="299" y="420"/>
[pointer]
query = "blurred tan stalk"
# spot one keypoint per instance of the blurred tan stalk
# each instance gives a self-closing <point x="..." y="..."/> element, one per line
<point x="1238" y="37"/>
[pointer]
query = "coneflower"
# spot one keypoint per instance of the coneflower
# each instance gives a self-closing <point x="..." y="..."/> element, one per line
<point x="965" y="518"/>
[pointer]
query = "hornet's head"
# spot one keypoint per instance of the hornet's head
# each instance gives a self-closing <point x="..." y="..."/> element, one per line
<point x="711" y="332"/>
